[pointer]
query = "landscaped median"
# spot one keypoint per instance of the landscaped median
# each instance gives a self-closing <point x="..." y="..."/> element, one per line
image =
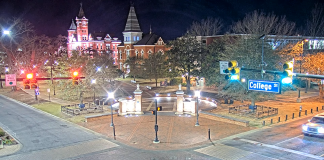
<point x="287" y="110"/>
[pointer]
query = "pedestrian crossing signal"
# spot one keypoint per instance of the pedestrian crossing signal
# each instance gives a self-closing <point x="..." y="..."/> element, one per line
<point x="159" y="108"/>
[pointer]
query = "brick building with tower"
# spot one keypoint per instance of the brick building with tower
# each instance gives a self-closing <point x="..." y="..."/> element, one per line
<point x="137" y="44"/>
<point x="81" y="40"/>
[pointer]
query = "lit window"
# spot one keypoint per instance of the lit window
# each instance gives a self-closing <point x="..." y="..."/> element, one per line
<point x="120" y="53"/>
<point x="137" y="38"/>
<point x="127" y="53"/>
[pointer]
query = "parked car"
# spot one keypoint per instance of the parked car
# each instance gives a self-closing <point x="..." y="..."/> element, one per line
<point x="315" y="126"/>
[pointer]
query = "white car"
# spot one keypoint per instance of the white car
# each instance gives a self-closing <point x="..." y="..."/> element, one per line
<point x="315" y="126"/>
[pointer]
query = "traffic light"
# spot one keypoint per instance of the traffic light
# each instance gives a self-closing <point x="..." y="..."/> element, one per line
<point x="33" y="83"/>
<point x="288" y="72"/>
<point x="30" y="81"/>
<point x="26" y="83"/>
<point x="158" y="109"/>
<point x="233" y="71"/>
<point x="75" y="78"/>
<point x="29" y="76"/>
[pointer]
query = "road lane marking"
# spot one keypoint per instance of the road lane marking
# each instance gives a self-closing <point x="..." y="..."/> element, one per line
<point x="288" y="140"/>
<point x="222" y="151"/>
<point x="282" y="149"/>
<point x="149" y="107"/>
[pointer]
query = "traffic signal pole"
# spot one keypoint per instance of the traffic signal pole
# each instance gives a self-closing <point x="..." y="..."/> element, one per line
<point x="280" y="72"/>
<point x="156" y="127"/>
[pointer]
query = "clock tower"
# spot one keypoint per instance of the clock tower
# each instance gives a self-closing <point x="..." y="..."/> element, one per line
<point x="82" y="26"/>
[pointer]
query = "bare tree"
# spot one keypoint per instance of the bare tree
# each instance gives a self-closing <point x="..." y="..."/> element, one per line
<point x="315" y="24"/>
<point x="207" y="27"/>
<point x="260" y="23"/>
<point x="18" y="31"/>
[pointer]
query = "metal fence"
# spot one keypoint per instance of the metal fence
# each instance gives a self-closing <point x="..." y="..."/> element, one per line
<point x="75" y="109"/>
<point x="256" y="111"/>
<point x="293" y="115"/>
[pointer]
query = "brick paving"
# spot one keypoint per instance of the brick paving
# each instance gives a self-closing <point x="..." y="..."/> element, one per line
<point x="174" y="132"/>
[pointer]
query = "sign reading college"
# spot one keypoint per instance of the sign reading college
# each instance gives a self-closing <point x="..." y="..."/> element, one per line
<point x="264" y="86"/>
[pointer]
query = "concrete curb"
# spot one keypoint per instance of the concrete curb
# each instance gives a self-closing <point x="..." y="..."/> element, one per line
<point x="8" y="150"/>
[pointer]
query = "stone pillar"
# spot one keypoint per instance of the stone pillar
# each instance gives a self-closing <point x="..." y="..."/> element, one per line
<point x="138" y="100"/>
<point x="179" y="101"/>
<point x="122" y="108"/>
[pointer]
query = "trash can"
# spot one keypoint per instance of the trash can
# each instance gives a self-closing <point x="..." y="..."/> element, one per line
<point x="97" y="101"/>
<point x="252" y="107"/>
<point x="81" y="106"/>
<point x="104" y="101"/>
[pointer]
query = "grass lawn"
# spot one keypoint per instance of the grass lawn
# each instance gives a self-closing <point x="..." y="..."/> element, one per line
<point x="55" y="109"/>
<point x="51" y="108"/>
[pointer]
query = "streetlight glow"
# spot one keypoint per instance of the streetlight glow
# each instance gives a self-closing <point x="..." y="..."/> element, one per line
<point x="111" y="95"/>
<point x="93" y="81"/>
<point x="6" y="32"/>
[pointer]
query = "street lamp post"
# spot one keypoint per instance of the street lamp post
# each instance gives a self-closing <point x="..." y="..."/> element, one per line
<point x="111" y="99"/>
<point x="94" y="93"/>
<point x="197" y="94"/>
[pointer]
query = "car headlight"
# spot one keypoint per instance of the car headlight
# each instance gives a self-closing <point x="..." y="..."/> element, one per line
<point x="320" y="130"/>
<point x="305" y="128"/>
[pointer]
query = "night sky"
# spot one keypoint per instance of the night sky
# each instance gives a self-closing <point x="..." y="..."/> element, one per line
<point x="168" y="18"/>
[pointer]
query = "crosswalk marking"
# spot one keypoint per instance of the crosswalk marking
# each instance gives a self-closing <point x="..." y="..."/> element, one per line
<point x="283" y="149"/>
<point x="223" y="152"/>
<point x="149" y="107"/>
